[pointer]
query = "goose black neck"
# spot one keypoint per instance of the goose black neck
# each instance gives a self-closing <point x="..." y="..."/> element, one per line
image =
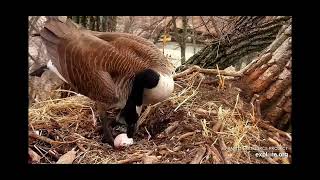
<point x="145" y="79"/>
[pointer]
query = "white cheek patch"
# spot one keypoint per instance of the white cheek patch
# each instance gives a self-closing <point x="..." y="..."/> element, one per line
<point x="162" y="91"/>
<point x="138" y="110"/>
<point x="55" y="70"/>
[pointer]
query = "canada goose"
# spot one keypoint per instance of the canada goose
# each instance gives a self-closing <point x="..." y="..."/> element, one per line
<point x="118" y="69"/>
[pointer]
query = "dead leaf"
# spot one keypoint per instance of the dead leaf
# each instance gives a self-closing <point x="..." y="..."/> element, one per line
<point x="67" y="158"/>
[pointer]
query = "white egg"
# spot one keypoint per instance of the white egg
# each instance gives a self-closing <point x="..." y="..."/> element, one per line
<point x="122" y="140"/>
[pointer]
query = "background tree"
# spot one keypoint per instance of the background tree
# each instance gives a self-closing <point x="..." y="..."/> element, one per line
<point x="246" y="36"/>
<point x="267" y="80"/>
<point x="181" y="37"/>
<point x="96" y="23"/>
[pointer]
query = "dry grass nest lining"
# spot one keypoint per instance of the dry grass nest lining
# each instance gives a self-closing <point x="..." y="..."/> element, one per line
<point x="199" y="123"/>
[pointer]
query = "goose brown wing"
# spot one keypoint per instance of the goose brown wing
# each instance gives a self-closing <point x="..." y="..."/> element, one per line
<point x="143" y="49"/>
<point x="88" y="63"/>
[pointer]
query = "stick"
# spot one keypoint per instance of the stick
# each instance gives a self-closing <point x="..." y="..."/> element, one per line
<point x="283" y="159"/>
<point x="172" y="127"/>
<point x="53" y="154"/>
<point x="224" y="152"/>
<point x="81" y="147"/>
<point x="205" y="71"/>
<point x="204" y="112"/>
<point x="273" y="129"/>
<point x="201" y="152"/>
<point x="48" y="140"/>
<point x="133" y="159"/>
<point x="216" y="127"/>
<point x="185" y="100"/>
<point x="149" y="136"/>
<point x="43" y="155"/>
<point x="269" y="159"/>
<point x="186" y="135"/>
<point x="214" y="154"/>
<point x="207" y="27"/>
<point x="195" y="92"/>
<point x="149" y="159"/>
<point x="144" y="116"/>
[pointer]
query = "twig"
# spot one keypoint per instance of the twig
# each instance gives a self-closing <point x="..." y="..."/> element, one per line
<point x="206" y="71"/>
<point x="149" y="136"/>
<point x="186" y="135"/>
<point x="217" y="126"/>
<point x="235" y="105"/>
<point x="48" y="140"/>
<point x="203" y="112"/>
<point x="214" y="23"/>
<point x="94" y="119"/>
<point x="214" y="154"/>
<point x="200" y="153"/>
<point x="262" y="124"/>
<point x="161" y="21"/>
<point x="133" y="159"/>
<point x="31" y="24"/>
<point x="185" y="100"/>
<point x="43" y="155"/>
<point x="269" y="159"/>
<point x="172" y="127"/>
<point x="63" y="90"/>
<point x="149" y="159"/>
<point x="224" y="152"/>
<point x="195" y="92"/>
<point x="81" y="147"/>
<point x="207" y="28"/>
<point x="144" y="116"/>
<point x="53" y="154"/>
<point x="283" y="159"/>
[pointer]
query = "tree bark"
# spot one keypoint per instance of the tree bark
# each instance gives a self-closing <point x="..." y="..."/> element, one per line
<point x="111" y="23"/>
<point x="98" y="23"/>
<point x="250" y="34"/>
<point x="128" y="25"/>
<point x="83" y="21"/>
<point x="183" y="39"/>
<point x="92" y="23"/>
<point x="268" y="79"/>
<point x="75" y="19"/>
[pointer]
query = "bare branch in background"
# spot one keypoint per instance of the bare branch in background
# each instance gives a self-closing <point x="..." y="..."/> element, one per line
<point x="128" y="25"/>
<point x="32" y="23"/>
<point x="214" y="23"/>
<point x="177" y="36"/>
<point x="207" y="27"/>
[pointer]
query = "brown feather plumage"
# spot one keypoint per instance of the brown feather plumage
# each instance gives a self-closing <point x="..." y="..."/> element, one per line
<point x="100" y="65"/>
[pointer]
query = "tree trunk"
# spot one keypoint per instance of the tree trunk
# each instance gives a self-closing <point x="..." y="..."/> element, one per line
<point x="92" y="23"/>
<point x="83" y="21"/>
<point x="128" y="25"/>
<point x="75" y="19"/>
<point x="183" y="39"/>
<point x="268" y="79"/>
<point x="98" y="23"/>
<point x="250" y="34"/>
<point x="112" y="24"/>
<point x="194" y="36"/>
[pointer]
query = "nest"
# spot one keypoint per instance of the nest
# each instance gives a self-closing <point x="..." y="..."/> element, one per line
<point x="203" y="122"/>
